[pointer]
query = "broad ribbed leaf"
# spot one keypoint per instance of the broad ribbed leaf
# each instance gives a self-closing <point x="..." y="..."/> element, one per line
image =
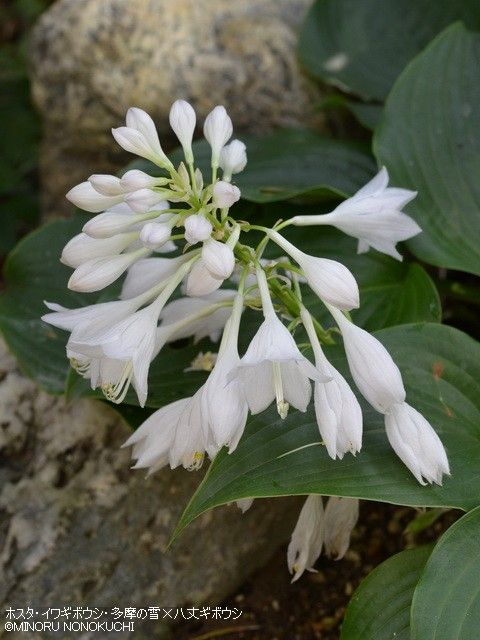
<point x="441" y="371"/>
<point x="428" y="139"/>
<point x="446" y="602"/>
<point x="362" y="46"/>
<point x="380" y="607"/>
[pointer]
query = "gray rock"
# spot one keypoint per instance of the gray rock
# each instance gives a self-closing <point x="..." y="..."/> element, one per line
<point x="92" y="59"/>
<point x="79" y="527"/>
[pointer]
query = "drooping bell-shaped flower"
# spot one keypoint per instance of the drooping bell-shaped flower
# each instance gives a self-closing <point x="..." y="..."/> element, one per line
<point x="373" y="215"/>
<point x="341" y="515"/>
<point x="416" y="443"/>
<point x="331" y="280"/>
<point x="273" y="367"/>
<point x="307" y="538"/>
<point x="337" y="410"/>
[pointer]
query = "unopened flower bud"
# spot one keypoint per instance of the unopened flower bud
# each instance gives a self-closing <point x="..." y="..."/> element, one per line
<point x="140" y="137"/>
<point x="134" y="180"/>
<point x="197" y="229"/>
<point x="217" y="130"/>
<point x="182" y="120"/>
<point x="89" y="199"/>
<point x="225" y="194"/>
<point x="143" y="199"/>
<point x="233" y="158"/>
<point x="200" y="281"/>
<point x="82" y="247"/>
<point x="98" y="273"/>
<point x="154" y="234"/>
<point x="218" y="258"/>
<point x="106" y="185"/>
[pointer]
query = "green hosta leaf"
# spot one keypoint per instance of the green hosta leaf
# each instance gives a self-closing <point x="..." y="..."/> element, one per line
<point x="361" y="47"/>
<point x="441" y="371"/>
<point x="446" y="602"/>
<point x="428" y="139"/>
<point x="292" y="163"/>
<point x="380" y="607"/>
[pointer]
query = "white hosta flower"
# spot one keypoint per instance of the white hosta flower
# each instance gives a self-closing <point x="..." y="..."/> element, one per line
<point x="373" y="370"/>
<point x="85" y="197"/>
<point x="134" y="180"/>
<point x="225" y="194"/>
<point x="147" y="272"/>
<point x="200" y="281"/>
<point x="331" y="280"/>
<point x="416" y="443"/>
<point x="155" y="234"/>
<point x="152" y="441"/>
<point x="210" y="325"/>
<point x="197" y="229"/>
<point x="182" y="120"/>
<point x="140" y="137"/>
<point x="118" y="219"/>
<point x="223" y="404"/>
<point x="244" y="504"/>
<point x="373" y="215"/>
<point x="82" y="247"/>
<point x="337" y="410"/>
<point x="233" y="159"/>
<point x="341" y="515"/>
<point x="273" y="367"/>
<point x="307" y="537"/>
<point x="217" y="130"/>
<point x="98" y="273"/>
<point x="106" y="185"/>
<point x="218" y="258"/>
<point x="144" y="200"/>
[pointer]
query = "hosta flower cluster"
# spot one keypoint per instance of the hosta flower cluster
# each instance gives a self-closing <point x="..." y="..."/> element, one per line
<point x="203" y="290"/>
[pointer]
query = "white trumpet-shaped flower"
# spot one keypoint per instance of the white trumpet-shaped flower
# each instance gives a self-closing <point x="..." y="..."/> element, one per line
<point x="182" y="120"/>
<point x="233" y="159"/>
<point x="217" y="130"/>
<point x="341" y="515"/>
<point x="371" y="366"/>
<point x="416" y="443"/>
<point x="373" y="215"/>
<point x="307" y="538"/>
<point x="337" y="410"/>
<point x="197" y="229"/>
<point x="331" y="280"/>
<point x="273" y="367"/>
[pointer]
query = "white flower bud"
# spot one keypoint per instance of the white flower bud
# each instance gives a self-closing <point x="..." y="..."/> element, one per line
<point x="117" y="219"/>
<point x="218" y="258"/>
<point x="154" y="234"/>
<point x="100" y="272"/>
<point x="182" y="120"/>
<point x="134" y="180"/>
<point x="375" y="373"/>
<point x="140" y="137"/>
<point x="225" y="194"/>
<point x="89" y="199"/>
<point x="233" y="158"/>
<point x="143" y="199"/>
<point x="106" y="185"/>
<point x="217" y="130"/>
<point x="200" y="281"/>
<point x="415" y="442"/>
<point x="82" y="248"/>
<point x="197" y="229"/>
